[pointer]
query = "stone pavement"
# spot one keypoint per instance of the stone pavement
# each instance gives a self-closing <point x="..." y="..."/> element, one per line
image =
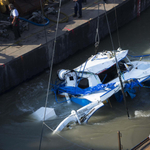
<point x="35" y="36"/>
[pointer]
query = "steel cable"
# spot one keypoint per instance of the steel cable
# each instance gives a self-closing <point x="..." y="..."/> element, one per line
<point x="117" y="66"/>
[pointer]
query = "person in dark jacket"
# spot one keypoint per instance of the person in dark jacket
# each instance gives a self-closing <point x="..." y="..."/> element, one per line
<point x="14" y="16"/>
<point x="78" y="7"/>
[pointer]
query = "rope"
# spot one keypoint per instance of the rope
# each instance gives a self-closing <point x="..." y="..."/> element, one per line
<point x="117" y="66"/>
<point x="65" y="138"/>
<point x="119" y="37"/>
<point x="108" y="27"/>
<point x="53" y="52"/>
<point x="117" y="26"/>
<point x="65" y="19"/>
<point x="97" y="38"/>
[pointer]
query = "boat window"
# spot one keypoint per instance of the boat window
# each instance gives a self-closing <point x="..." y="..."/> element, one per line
<point x="71" y="78"/>
<point x="108" y="75"/>
<point x="83" y="83"/>
<point x="111" y="73"/>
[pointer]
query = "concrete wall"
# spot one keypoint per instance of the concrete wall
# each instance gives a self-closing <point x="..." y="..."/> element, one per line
<point x="34" y="62"/>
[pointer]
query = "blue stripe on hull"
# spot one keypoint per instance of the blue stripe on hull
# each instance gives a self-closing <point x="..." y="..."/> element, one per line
<point x="82" y="102"/>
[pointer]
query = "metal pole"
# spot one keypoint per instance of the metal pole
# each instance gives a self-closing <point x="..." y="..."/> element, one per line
<point x="117" y="66"/>
<point x="119" y="140"/>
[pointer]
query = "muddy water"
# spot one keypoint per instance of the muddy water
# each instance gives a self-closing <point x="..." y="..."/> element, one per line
<point x="18" y="131"/>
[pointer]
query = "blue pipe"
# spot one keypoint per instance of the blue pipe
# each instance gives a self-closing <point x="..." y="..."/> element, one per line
<point x="36" y="23"/>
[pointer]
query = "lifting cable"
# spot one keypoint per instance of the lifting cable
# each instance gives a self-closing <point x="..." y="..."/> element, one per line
<point x="97" y="38"/>
<point x="117" y="27"/>
<point x="119" y="37"/>
<point x="51" y="65"/>
<point x="66" y="139"/>
<point x="117" y="66"/>
<point x="49" y="83"/>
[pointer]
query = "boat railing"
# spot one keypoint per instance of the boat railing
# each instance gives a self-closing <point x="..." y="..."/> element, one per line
<point x="141" y="144"/>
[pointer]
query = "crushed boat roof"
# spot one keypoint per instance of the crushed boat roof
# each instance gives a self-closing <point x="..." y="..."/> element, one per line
<point x="101" y="61"/>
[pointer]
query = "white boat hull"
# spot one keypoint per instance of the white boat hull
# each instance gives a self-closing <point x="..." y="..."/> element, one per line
<point x="133" y="71"/>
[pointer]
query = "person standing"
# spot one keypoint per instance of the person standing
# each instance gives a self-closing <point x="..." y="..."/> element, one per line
<point x="78" y="7"/>
<point x="14" y="15"/>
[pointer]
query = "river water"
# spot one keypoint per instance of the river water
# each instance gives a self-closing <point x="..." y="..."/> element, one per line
<point x="18" y="131"/>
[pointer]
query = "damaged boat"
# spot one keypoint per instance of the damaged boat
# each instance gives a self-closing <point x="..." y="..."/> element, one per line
<point x="92" y="83"/>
